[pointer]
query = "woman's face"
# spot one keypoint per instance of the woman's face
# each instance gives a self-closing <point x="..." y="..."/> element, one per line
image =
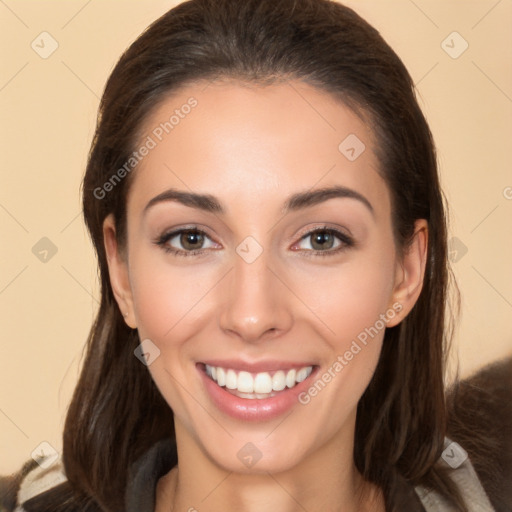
<point x="274" y="282"/>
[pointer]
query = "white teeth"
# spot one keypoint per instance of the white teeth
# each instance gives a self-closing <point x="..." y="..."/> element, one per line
<point x="231" y="379"/>
<point x="259" y="385"/>
<point x="263" y="383"/>
<point x="290" y="378"/>
<point x="279" y="381"/>
<point x="301" y="374"/>
<point x="221" y="376"/>
<point x="245" y="382"/>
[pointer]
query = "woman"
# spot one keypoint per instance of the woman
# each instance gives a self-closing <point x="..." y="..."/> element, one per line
<point x="263" y="197"/>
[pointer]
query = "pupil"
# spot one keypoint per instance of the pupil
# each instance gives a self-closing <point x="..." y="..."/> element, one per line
<point x="191" y="238"/>
<point x="321" y="238"/>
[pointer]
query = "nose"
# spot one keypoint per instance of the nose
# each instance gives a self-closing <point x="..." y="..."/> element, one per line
<point x="257" y="303"/>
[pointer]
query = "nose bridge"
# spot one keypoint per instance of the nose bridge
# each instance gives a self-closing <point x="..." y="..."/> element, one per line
<point x="256" y="302"/>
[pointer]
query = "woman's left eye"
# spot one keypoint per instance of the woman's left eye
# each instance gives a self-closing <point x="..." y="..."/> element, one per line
<point x="322" y="241"/>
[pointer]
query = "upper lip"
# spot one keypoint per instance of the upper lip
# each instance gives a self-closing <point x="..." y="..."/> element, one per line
<point x="266" y="365"/>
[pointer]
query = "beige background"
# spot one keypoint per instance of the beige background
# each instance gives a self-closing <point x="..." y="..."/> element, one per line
<point x="48" y="116"/>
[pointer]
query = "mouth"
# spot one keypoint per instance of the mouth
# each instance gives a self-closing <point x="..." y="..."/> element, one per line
<point x="257" y="385"/>
<point x="244" y="393"/>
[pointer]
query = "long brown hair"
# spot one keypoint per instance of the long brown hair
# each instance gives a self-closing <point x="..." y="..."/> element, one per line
<point x="116" y="412"/>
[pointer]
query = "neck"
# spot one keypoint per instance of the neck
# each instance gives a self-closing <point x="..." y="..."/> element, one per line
<point x="325" y="480"/>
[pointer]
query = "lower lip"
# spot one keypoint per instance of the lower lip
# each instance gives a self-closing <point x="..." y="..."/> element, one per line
<point x="256" y="409"/>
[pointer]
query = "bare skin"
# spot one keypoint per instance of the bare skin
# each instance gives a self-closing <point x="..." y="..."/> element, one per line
<point x="252" y="148"/>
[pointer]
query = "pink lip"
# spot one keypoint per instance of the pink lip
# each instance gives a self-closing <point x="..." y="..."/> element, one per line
<point x="246" y="409"/>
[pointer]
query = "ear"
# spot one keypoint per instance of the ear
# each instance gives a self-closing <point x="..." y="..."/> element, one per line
<point x="118" y="272"/>
<point x="410" y="271"/>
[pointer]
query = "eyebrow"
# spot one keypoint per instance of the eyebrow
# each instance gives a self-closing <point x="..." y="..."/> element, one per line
<point x="298" y="201"/>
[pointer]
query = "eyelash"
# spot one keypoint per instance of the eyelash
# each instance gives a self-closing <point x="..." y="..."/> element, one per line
<point x="346" y="241"/>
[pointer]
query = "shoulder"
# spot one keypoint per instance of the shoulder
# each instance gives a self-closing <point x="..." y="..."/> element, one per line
<point x="41" y="479"/>
<point x="35" y="478"/>
<point x="42" y="486"/>
<point x="10" y="484"/>
<point x="480" y="420"/>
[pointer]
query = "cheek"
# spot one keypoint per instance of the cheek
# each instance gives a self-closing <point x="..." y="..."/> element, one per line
<point x="353" y="302"/>
<point x="167" y="297"/>
<point x="354" y="305"/>
<point x="351" y="297"/>
<point x="170" y="302"/>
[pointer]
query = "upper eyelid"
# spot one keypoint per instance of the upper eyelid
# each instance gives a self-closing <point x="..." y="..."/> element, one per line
<point x="342" y="231"/>
<point x="172" y="233"/>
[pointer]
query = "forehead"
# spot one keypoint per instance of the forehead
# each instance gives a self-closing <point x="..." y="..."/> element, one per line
<point x="249" y="143"/>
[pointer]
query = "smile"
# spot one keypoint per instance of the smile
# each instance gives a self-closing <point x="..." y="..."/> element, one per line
<point x="257" y="392"/>
<point x="257" y="385"/>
